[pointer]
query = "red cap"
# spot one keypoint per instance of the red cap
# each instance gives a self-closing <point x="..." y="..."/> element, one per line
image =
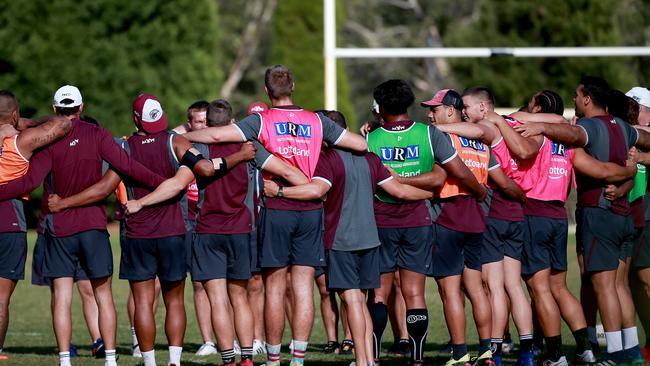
<point x="447" y="97"/>
<point x="149" y="114"/>
<point x="256" y="107"/>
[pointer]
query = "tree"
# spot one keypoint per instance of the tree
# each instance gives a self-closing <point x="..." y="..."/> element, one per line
<point x="297" y="42"/>
<point x="112" y="50"/>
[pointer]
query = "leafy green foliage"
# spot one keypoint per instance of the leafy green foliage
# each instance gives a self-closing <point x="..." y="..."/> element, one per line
<point x="112" y="50"/>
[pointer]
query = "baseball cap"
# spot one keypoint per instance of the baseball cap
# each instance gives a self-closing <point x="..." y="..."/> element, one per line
<point x="447" y="97"/>
<point x="149" y="114"/>
<point x="640" y="94"/>
<point x="67" y="96"/>
<point x="256" y="107"/>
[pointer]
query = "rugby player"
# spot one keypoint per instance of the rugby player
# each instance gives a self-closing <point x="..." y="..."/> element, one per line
<point x="16" y="150"/>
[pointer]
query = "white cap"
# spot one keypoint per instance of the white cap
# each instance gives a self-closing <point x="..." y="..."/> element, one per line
<point x="640" y="94"/>
<point x="69" y="92"/>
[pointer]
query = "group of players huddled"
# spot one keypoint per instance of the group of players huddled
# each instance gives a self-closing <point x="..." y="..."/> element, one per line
<point x="256" y="209"/>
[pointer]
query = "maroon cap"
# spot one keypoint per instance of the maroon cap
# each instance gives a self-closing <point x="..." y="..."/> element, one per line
<point x="447" y="97"/>
<point x="256" y="107"/>
<point x="149" y="114"/>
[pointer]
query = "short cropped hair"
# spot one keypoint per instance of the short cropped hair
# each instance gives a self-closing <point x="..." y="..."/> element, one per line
<point x="480" y="92"/>
<point x="219" y="113"/>
<point x="394" y="96"/>
<point x="278" y="80"/>
<point x="597" y="89"/>
<point x="198" y="106"/>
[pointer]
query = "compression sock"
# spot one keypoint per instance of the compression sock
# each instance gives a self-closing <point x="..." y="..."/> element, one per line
<point x="379" y="315"/>
<point x="417" y="324"/>
<point x="581" y="337"/>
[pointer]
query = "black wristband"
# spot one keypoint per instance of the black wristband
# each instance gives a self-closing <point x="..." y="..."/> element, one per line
<point x="190" y="160"/>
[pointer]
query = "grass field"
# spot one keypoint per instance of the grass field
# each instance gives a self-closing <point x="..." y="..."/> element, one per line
<point x="30" y="339"/>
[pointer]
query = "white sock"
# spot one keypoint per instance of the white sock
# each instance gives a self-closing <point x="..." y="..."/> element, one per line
<point x="134" y="338"/>
<point x="64" y="358"/>
<point x="630" y="338"/>
<point x="175" y="355"/>
<point x="111" y="358"/>
<point x="614" y="341"/>
<point x="149" y="358"/>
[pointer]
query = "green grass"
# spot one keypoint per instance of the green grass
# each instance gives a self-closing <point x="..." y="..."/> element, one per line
<point x="30" y="339"/>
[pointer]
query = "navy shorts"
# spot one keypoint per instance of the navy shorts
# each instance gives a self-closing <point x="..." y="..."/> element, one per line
<point x="357" y="269"/>
<point x="545" y="245"/>
<point x="290" y="238"/>
<point x="454" y="250"/>
<point x="502" y="238"/>
<point x="13" y="255"/>
<point x="38" y="258"/>
<point x="407" y="248"/>
<point x="216" y="256"/>
<point x="630" y="242"/>
<point x="641" y="251"/>
<point x="89" y="251"/>
<point x="601" y="235"/>
<point x="144" y="259"/>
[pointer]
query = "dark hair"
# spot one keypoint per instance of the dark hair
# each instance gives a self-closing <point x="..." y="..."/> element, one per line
<point x="480" y="92"/>
<point x="394" y="96"/>
<point x="67" y="111"/>
<point x="621" y="106"/>
<point x="278" y="80"/>
<point x="8" y="103"/>
<point x="89" y="119"/>
<point x="198" y="106"/>
<point x="335" y="116"/>
<point x="549" y="102"/>
<point x="219" y="113"/>
<point x="596" y="88"/>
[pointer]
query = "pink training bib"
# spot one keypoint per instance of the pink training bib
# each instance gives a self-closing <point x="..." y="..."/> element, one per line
<point x="293" y="135"/>
<point x="521" y="172"/>
<point x="554" y="164"/>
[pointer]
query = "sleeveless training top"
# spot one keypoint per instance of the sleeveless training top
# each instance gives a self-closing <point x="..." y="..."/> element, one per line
<point x="476" y="157"/>
<point x="408" y="152"/>
<point x="293" y="135"/>
<point x="555" y="172"/>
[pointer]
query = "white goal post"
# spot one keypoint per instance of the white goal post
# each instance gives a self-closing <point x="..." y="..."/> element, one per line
<point x="332" y="52"/>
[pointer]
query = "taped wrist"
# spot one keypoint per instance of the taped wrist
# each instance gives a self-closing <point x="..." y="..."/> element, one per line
<point x="222" y="169"/>
<point x="190" y="160"/>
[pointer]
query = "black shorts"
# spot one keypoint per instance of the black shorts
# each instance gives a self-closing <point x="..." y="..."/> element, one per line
<point x="408" y="248"/>
<point x="601" y="235"/>
<point x="89" y="251"/>
<point x="502" y="238"/>
<point x="357" y="269"/>
<point x="216" y="256"/>
<point x="545" y="245"/>
<point x="291" y="238"/>
<point x="144" y="259"/>
<point x="454" y="250"/>
<point x="13" y="255"/>
<point x="38" y="257"/>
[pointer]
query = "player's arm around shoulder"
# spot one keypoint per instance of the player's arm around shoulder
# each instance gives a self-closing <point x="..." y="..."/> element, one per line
<point x="52" y="129"/>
